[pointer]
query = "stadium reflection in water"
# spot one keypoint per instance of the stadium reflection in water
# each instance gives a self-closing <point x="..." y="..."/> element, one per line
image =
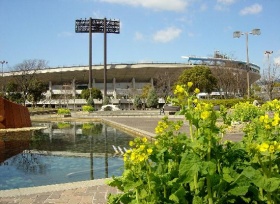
<point x="61" y="153"/>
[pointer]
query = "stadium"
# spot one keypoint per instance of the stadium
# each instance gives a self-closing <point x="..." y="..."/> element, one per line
<point x="123" y="81"/>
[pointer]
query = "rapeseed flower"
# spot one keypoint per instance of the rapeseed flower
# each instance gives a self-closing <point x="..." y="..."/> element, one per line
<point x="205" y="114"/>
<point x="179" y="89"/>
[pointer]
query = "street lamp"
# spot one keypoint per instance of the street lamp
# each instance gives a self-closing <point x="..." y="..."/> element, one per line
<point x="3" y="62"/>
<point x="269" y="81"/>
<point x="237" y="34"/>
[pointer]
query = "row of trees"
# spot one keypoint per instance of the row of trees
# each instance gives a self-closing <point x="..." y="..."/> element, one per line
<point x="26" y="85"/>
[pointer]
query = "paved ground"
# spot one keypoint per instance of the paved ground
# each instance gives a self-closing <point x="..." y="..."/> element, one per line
<point x="95" y="191"/>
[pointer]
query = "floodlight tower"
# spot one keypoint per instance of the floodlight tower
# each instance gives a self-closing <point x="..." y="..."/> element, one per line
<point x="237" y="34"/>
<point x="97" y="26"/>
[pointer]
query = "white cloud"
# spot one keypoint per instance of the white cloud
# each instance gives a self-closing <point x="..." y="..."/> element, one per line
<point x="222" y="5"/>
<point x="168" y="5"/>
<point x="167" y="35"/>
<point x="277" y="60"/>
<point x="253" y="9"/>
<point x="226" y="2"/>
<point x="138" y="36"/>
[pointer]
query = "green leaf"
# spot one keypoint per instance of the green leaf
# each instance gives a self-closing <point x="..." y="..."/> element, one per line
<point x="197" y="200"/>
<point x="272" y="184"/>
<point x="179" y="195"/>
<point x="239" y="190"/>
<point x="227" y="175"/>
<point x="208" y="168"/>
<point x="189" y="166"/>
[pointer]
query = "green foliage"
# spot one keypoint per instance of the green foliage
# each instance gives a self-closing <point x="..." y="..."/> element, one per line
<point x="108" y="108"/>
<point x="63" y="111"/>
<point x="137" y="102"/>
<point x="94" y="93"/>
<point x="87" y="108"/>
<point x="91" y="129"/>
<point x="201" y="77"/>
<point x="62" y="125"/>
<point x="90" y="101"/>
<point x="145" y="90"/>
<point x="152" y="99"/>
<point x="106" y="101"/>
<point x="201" y="167"/>
<point x="245" y="112"/>
<point x="36" y="90"/>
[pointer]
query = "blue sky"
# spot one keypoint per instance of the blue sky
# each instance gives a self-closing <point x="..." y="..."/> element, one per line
<point x="151" y="30"/>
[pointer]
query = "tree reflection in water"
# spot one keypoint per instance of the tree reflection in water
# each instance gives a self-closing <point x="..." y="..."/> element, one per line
<point x="60" y="153"/>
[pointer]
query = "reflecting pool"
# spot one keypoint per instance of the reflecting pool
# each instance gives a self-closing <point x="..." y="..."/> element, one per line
<point x="61" y="153"/>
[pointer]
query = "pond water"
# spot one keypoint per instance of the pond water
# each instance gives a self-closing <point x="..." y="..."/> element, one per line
<point x="61" y="153"/>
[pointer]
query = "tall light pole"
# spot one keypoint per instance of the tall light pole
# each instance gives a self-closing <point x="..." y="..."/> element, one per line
<point x="97" y="26"/>
<point x="270" y="80"/>
<point x="3" y="62"/>
<point x="237" y="34"/>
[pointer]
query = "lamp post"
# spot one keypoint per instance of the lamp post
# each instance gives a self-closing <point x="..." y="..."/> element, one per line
<point x="3" y="62"/>
<point x="237" y="34"/>
<point x="270" y="80"/>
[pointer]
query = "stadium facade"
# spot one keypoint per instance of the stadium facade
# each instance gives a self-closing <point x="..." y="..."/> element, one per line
<point x="65" y="84"/>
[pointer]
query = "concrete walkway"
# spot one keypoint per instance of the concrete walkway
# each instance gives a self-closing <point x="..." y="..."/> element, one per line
<point x="95" y="191"/>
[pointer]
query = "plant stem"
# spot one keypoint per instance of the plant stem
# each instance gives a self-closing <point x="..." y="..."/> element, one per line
<point x="209" y="187"/>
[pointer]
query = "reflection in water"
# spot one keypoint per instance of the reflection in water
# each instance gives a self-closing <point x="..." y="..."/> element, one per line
<point x="61" y="153"/>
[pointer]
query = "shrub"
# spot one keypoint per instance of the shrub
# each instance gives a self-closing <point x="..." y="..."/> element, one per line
<point x="108" y="108"/>
<point x="63" y="111"/>
<point x="87" y="108"/>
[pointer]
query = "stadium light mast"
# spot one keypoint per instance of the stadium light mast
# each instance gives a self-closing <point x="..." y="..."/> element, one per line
<point x="97" y="26"/>
<point x="237" y="34"/>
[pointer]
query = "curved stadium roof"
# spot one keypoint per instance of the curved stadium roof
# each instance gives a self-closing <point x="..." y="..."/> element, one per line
<point x="141" y="72"/>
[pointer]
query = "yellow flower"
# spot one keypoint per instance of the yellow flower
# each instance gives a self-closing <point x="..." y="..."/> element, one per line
<point x="144" y="139"/>
<point x="261" y="119"/>
<point x="177" y="127"/>
<point x="158" y="130"/>
<point x="156" y="142"/>
<point x="142" y="147"/>
<point x="179" y="89"/>
<point x="149" y="151"/>
<point x="263" y="147"/>
<point x="131" y="143"/>
<point x="205" y="114"/>
<point x="266" y="119"/>
<point x="267" y="126"/>
<point x="271" y="148"/>
<point x="275" y="123"/>
<point x="133" y="156"/>
<point x="190" y="84"/>
<point x="141" y="157"/>
<point x="196" y="91"/>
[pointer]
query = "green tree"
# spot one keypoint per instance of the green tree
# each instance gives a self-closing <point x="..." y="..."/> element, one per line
<point x="201" y="76"/>
<point x="106" y="100"/>
<point x="25" y="74"/>
<point x="12" y="92"/>
<point x="152" y="99"/>
<point x="137" y="102"/>
<point x="36" y="90"/>
<point x="94" y="93"/>
<point x="145" y="90"/>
